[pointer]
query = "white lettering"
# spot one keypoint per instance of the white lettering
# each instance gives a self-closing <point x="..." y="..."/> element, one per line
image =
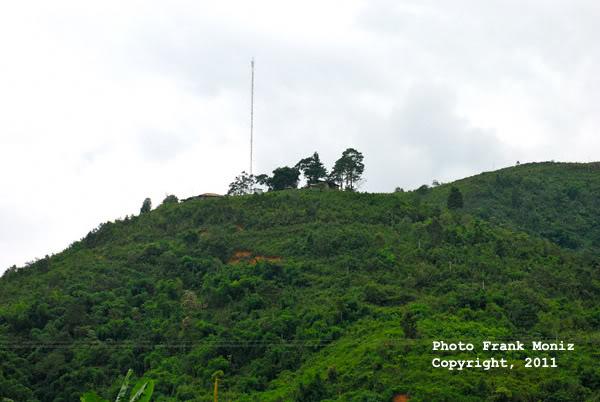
<point x="445" y="346"/>
<point x="487" y="345"/>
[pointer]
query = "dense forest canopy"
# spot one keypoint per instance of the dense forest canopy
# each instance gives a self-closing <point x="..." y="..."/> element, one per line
<point x="310" y="295"/>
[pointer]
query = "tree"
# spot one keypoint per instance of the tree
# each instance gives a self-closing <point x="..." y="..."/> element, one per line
<point x="313" y="390"/>
<point x="435" y="231"/>
<point x="424" y="189"/>
<point x="263" y="180"/>
<point x="141" y="392"/>
<point x="455" y="199"/>
<point x="146" y="206"/>
<point x="312" y="168"/>
<point x="215" y="377"/>
<point x="283" y="178"/>
<point x="516" y="198"/>
<point x="171" y="199"/>
<point x="348" y="170"/>
<point x="242" y="184"/>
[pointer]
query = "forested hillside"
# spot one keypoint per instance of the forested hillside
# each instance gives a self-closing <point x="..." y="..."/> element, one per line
<point x="558" y="201"/>
<point x="308" y="295"/>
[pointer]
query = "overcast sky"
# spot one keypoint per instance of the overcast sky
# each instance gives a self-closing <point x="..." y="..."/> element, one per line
<point x="104" y="103"/>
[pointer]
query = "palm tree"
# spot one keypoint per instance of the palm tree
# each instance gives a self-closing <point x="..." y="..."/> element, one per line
<point x="141" y="392"/>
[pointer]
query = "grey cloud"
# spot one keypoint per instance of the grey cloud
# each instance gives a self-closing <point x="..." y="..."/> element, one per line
<point x="425" y="139"/>
<point x="160" y="145"/>
<point x="427" y="121"/>
<point x="406" y="86"/>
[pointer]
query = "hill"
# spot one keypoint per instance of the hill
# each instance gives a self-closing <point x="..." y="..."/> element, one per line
<point x="557" y="201"/>
<point x="305" y="295"/>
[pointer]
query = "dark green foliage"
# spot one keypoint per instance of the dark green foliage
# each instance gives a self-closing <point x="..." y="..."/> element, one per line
<point x="146" y="206"/>
<point x="284" y="178"/>
<point x="348" y="170"/>
<point x="424" y="189"/>
<point x="552" y="200"/>
<point x="263" y="179"/>
<point x="312" y="168"/>
<point x="170" y="199"/>
<point x="242" y="184"/>
<point x="435" y="230"/>
<point x="304" y="295"/>
<point x="455" y="199"/>
<point x="313" y="390"/>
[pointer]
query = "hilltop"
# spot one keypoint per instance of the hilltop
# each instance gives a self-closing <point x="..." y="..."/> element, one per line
<point x="312" y="295"/>
<point x="557" y="201"/>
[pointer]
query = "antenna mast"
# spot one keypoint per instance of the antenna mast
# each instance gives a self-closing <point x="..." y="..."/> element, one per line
<point x="251" y="115"/>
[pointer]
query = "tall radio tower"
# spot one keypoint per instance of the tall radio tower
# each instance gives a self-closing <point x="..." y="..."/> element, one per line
<point x="251" y="114"/>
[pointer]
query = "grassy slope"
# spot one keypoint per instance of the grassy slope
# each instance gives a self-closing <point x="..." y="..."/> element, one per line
<point x="356" y="288"/>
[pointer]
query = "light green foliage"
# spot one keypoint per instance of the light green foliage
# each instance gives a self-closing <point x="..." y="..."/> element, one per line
<point x="124" y="387"/>
<point x="92" y="397"/>
<point x="141" y="392"/>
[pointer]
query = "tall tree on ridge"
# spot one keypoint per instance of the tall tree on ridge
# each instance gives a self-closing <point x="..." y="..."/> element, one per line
<point x="348" y="170"/>
<point x="242" y="184"/>
<point x="146" y="206"/>
<point x="455" y="199"/>
<point x="312" y="168"/>
<point x="284" y="178"/>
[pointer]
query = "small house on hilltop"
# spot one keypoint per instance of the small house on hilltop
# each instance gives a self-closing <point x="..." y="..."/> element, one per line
<point x="203" y="196"/>
<point x="324" y="185"/>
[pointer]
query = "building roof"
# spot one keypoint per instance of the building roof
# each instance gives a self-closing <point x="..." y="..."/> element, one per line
<point x="203" y="195"/>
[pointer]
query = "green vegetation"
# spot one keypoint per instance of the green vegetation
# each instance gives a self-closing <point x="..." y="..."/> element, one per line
<point x="557" y="201"/>
<point x="346" y="174"/>
<point x="146" y="206"/>
<point x="283" y="178"/>
<point x="348" y="170"/>
<point x="242" y="184"/>
<point x="141" y="392"/>
<point x="455" y="199"/>
<point x="302" y="295"/>
<point x="312" y="169"/>
<point x="171" y="199"/>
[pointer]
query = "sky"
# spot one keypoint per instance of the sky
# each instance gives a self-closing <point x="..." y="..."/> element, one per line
<point x="105" y="103"/>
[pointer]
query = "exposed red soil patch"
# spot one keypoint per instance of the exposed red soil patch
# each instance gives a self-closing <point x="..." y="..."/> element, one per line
<point x="400" y="398"/>
<point x="240" y="255"/>
<point x="246" y="256"/>
<point x="259" y="258"/>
